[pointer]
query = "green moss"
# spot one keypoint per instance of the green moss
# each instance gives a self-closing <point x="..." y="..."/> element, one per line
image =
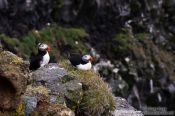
<point x="122" y="41"/>
<point x="70" y="35"/>
<point x="66" y="79"/>
<point x="96" y="98"/>
<point x="9" y="41"/>
<point x="53" y="36"/>
<point x="75" y="33"/>
<point x="141" y="36"/>
<point x="119" y="46"/>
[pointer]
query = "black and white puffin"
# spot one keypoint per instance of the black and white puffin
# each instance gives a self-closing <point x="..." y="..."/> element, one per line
<point x="42" y="58"/>
<point x="81" y="62"/>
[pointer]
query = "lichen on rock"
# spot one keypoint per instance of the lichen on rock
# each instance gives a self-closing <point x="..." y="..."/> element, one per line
<point x="13" y="80"/>
<point x="46" y="109"/>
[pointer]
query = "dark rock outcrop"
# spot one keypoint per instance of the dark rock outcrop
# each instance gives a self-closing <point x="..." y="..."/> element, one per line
<point x="145" y="76"/>
<point x="17" y="17"/>
<point x="124" y="108"/>
<point x="13" y="80"/>
<point x="103" y="19"/>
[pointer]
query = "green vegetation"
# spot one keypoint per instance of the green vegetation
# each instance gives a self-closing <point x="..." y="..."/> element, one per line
<point x="141" y="36"/>
<point x="9" y="41"/>
<point x="122" y="41"/>
<point x="55" y="35"/>
<point x="96" y="98"/>
<point x="121" y="44"/>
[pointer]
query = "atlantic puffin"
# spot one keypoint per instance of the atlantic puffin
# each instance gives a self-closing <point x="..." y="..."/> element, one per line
<point x="81" y="62"/>
<point x="42" y="58"/>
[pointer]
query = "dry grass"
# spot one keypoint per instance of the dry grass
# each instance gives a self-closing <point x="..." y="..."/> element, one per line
<point x="97" y="98"/>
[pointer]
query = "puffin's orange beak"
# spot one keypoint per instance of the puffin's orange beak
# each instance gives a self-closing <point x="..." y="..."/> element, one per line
<point x="92" y="59"/>
<point x="49" y="49"/>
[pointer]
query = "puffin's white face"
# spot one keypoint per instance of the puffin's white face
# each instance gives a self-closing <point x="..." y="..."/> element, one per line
<point x="42" y="47"/>
<point x="86" y="58"/>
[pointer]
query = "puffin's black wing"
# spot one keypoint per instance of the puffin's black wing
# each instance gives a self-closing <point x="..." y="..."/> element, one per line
<point x="35" y="62"/>
<point x="75" y="59"/>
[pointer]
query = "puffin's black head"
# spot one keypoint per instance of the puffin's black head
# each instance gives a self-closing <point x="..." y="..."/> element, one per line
<point x="43" y="47"/>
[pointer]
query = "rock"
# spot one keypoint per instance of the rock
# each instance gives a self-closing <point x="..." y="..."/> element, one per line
<point x="35" y="13"/>
<point x="13" y="80"/>
<point x="50" y="75"/>
<point x="30" y="103"/>
<point x="52" y="84"/>
<point x="55" y="86"/>
<point x="124" y="108"/>
<point x="119" y="86"/>
<point x="46" y="109"/>
<point x="3" y="4"/>
<point x="55" y="79"/>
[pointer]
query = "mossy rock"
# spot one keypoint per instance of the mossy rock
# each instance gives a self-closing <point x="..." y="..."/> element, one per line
<point x="13" y="80"/>
<point x="96" y="98"/>
<point x="46" y="109"/>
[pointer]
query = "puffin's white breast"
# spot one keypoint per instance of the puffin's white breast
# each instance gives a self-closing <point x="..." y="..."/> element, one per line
<point x="86" y="66"/>
<point x="45" y="60"/>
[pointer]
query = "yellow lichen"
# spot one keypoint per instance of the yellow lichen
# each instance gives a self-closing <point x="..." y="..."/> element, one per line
<point x="17" y="61"/>
<point x="37" y="90"/>
<point x="11" y="58"/>
<point x="20" y="110"/>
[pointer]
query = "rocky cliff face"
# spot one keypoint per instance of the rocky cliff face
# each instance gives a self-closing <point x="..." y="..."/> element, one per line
<point x="103" y="19"/>
<point x="17" y="17"/>
<point x="52" y="90"/>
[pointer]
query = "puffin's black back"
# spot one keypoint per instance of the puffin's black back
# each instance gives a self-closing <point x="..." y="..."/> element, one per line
<point x="76" y="59"/>
<point x="35" y="60"/>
